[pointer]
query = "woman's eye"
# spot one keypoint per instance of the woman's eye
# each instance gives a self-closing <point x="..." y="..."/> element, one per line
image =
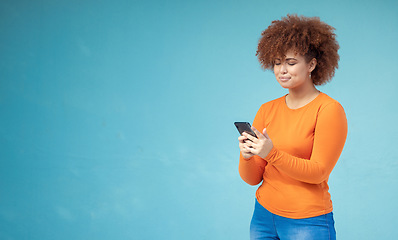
<point x="291" y="64"/>
<point x="277" y="63"/>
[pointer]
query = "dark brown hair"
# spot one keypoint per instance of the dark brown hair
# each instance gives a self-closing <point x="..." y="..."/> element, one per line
<point x="308" y="36"/>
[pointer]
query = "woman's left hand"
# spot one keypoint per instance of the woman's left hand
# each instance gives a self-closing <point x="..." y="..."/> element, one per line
<point x="261" y="145"/>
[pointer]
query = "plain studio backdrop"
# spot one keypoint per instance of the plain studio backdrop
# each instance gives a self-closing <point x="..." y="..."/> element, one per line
<point x="116" y="117"/>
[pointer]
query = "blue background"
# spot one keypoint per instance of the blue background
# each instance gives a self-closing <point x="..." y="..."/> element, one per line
<point x="116" y="117"/>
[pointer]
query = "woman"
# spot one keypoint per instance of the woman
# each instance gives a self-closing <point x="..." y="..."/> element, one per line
<point x="300" y="136"/>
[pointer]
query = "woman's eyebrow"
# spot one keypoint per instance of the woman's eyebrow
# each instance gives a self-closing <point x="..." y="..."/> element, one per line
<point x="287" y="59"/>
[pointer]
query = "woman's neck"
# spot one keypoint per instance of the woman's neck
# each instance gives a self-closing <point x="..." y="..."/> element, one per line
<point x="298" y="98"/>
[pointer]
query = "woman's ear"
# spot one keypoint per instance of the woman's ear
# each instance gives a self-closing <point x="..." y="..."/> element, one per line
<point x="313" y="63"/>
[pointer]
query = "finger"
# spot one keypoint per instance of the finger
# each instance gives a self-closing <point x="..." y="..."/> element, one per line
<point x="249" y="144"/>
<point x="251" y="150"/>
<point x="244" y="139"/>
<point x="245" y="150"/>
<point x="259" y="135"/>
<point x="243" y="147"/>
<point x="241" y="137"/>
<point x="248" y="149"/>
<point x="249" y="137"/>
<point x="265" y="133"/>
<point x="244" y="142"/>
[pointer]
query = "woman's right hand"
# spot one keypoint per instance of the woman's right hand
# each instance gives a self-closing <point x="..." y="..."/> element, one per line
<point x="244" y="145"/>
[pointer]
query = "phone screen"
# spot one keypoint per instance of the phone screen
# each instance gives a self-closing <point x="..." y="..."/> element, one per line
<point x="244" y="127"/>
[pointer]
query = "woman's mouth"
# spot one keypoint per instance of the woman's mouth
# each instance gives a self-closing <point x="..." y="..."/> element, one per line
<point x="284" y="79"/>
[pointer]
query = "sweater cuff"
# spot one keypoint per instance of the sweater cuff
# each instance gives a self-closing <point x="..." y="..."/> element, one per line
<point x="246" y="159"/>
<point x="270" y="158"/>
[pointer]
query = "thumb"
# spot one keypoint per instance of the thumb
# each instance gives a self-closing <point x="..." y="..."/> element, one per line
<point x="265" y="133"/>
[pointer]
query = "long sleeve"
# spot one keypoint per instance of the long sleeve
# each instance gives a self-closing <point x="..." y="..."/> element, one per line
<point x="252" y="170"/>
<point x="329" y="139"/>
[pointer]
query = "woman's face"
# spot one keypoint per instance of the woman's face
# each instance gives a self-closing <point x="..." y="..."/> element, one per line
<point x="293" y="71"/>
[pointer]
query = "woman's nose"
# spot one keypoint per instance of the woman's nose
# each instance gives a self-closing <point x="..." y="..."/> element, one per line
<point x="283" y="68"/>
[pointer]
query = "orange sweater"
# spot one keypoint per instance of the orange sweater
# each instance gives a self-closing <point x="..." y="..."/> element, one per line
<point x="307" y="144"/>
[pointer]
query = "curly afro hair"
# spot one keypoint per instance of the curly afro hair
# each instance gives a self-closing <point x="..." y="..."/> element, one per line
<point x="308" y="36"/>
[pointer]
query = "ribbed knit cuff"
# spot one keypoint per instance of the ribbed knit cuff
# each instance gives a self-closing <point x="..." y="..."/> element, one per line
<point x="246" y="159"/>
<point x="270" y="158"/>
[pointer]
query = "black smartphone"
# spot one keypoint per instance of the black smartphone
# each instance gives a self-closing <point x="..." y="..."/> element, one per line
<point x="244" y="127"/>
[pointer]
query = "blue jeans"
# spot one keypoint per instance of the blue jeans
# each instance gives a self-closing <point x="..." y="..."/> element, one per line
<point x="266" y="225"/>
